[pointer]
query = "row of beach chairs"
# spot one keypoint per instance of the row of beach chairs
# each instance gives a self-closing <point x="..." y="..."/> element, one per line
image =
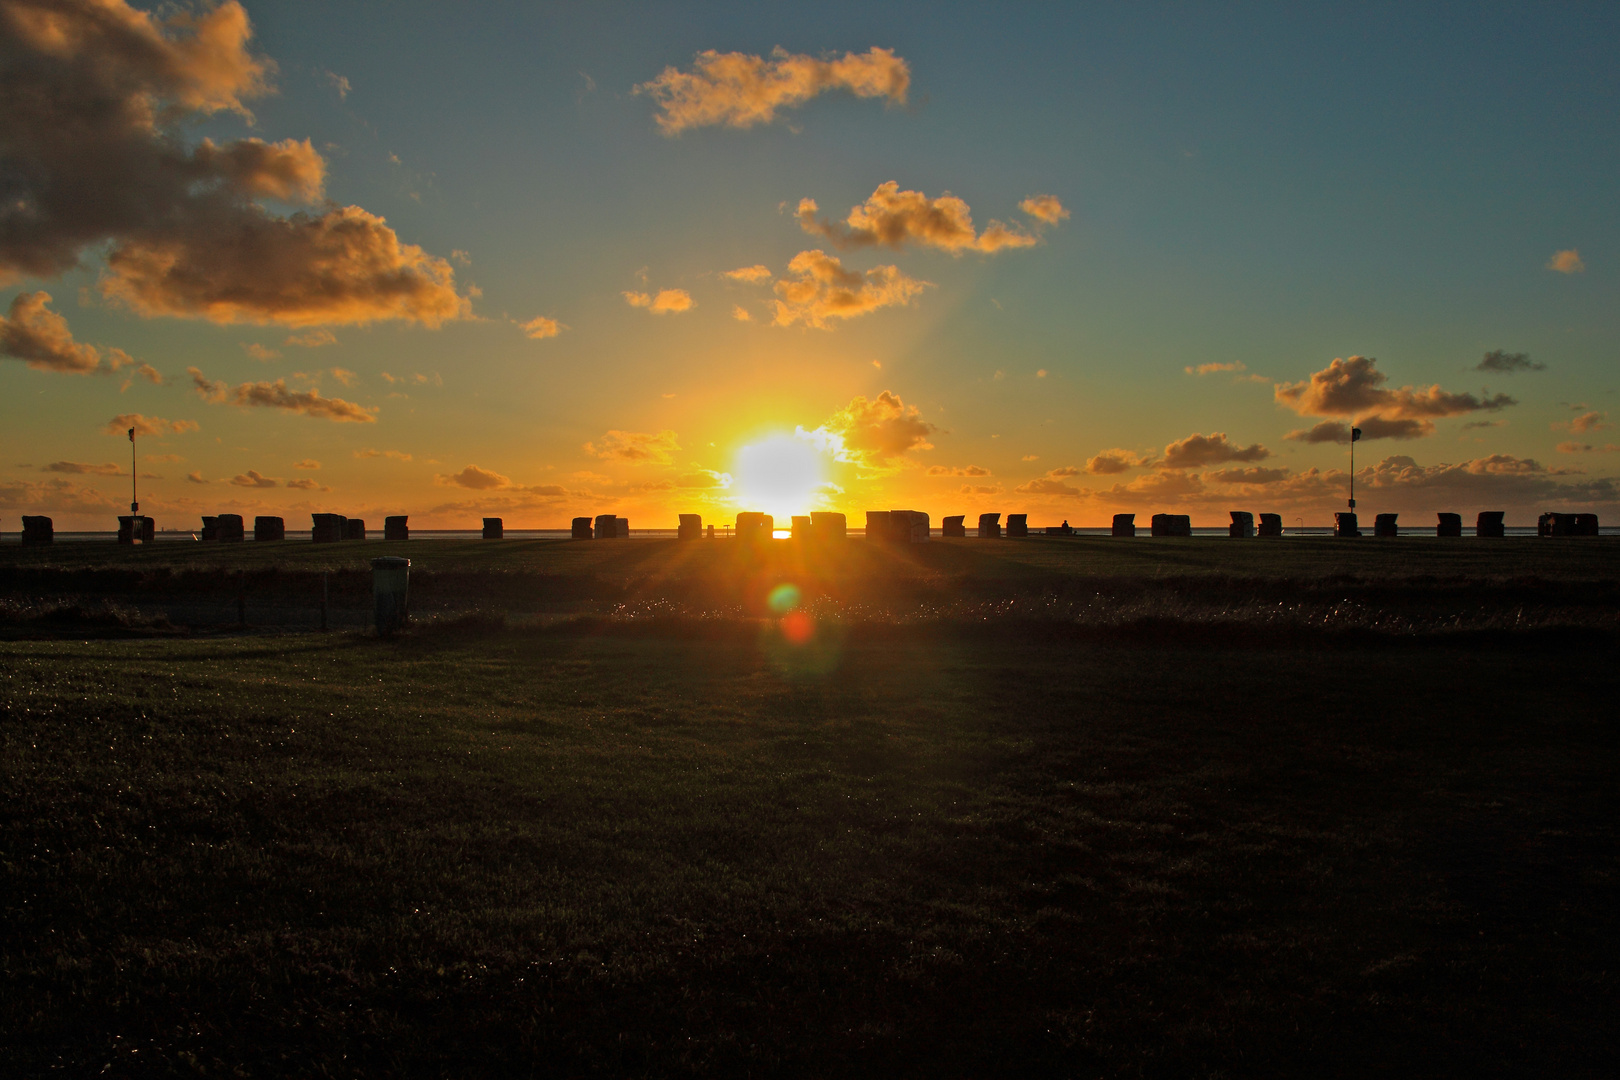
<point x="893" y="526"/>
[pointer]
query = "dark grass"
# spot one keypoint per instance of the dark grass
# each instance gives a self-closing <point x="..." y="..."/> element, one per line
<point x="555" y="854"/>
<point x="965" y="831"/>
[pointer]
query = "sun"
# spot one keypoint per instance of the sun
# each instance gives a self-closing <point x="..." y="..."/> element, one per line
<point x="779" y="476"/>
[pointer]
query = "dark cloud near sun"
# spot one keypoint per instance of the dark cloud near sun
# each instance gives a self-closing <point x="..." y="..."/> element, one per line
<point x="97" y="96"/>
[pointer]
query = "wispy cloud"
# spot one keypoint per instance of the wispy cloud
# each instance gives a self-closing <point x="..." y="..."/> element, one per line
<point x="146" y="426"/>
<point x="1567" y="262"/>
<point x="636" y="447"/>
<point x="740" y="91"/>
<point x="277" y="395"/>
<point x="1499" y="360"/>
<point x="541" y="327"/>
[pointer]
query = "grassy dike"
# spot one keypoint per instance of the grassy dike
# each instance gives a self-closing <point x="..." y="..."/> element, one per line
<point x="920" y="844"/>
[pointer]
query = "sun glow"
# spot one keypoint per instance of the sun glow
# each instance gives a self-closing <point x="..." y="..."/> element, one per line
<point x="779" y="476"/>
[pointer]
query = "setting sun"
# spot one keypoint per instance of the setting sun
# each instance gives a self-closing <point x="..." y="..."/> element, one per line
<point x="779" y="476"/>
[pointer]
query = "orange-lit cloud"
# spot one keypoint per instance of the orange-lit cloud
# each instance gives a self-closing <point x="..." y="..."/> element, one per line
<point x="666" y="302"/>
<point x="740" y="313"/>
<point x="313" y="339"/>
<point x="1247" y="476"/>
<point x="1113" y="462"/>
<point x="636" y="447"/>
<point x="475" y="478"/>
<point x="1197" y="451"/>
<point x="1048" y="485"/>
<point x="146" y="426"/>
<point x="540" y="327"/>
<point x="252" y="479"/>
<point x="306" y="484"/>
<point x="752" y="275"/>
<point x="896" y="218"/>
<point x="1580" y="425"/>
<point x="1356" y="386"/>
<point x="1567" y="262"/>
<point x="1044" y="208"/>
<point x="1213" y="368"/>
<point x="874" y="434"/>
<point x="276" y="395"/>
<point x="954" y="470"/>
<point x="307" y="464"/>
<point x="40" y="338"/>
<point x="95" y="93"/>
<point x="740" y="91"/>
<point x="820" y="289"/>
<point x="397" y="455"/>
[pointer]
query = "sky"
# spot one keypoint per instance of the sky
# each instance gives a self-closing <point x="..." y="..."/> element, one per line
<point x="544" y="261"/>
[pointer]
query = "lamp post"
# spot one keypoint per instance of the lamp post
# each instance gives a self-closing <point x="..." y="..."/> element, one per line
<point x="1355" y="434"/>
<point x="134" y="479"/>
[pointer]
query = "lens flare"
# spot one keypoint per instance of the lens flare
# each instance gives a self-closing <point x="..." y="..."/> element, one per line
<point x="798" y="627"/>
<point x="783" y="599"/>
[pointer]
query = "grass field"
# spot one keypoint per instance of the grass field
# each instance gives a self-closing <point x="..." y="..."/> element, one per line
<point x="1057" y="808"/>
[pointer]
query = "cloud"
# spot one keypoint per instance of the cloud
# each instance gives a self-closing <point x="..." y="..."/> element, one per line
<point x="1584" y="448"/>
<point x="40" y="338"/>
<point x="1197" y="451"/>
<point x="820" y="289"/>
<point x="1503" y="361"/>
<point x="314" y="339"/>
<point x="417" y="379"/>
<point x="475" y="478"/>
<point x="636" y="447"/>
<point x="667" y="301"/>
<point x="260" y="352"/>
<point x="1373" y="427"/>
<point x="195" y="478"/>
<point x="54" y="496"/>
<point x="339" y="83"/>
<point x="1110" y="462"/>
<point x="752" y="275"/>
<point x="703" y="479"/>
<point x="1247" y="476"/>
<point x="540" y="327"/>
<point x="252" y="479"/>
<point x="146" y="425"/>
<point x="970" y="489"/>
<point x="740" y="313"/>
<point x="1567" y="262"/>
<point x="740" y="91"/>
<point x="1063" y="470"/>
<point x="1212" y="368"/>
<point x="276" y="395"/>
<point x="874" y="434"/>
<point x="397" y="455"/>
<point x="149" y="373"/>
<point x="1592" y="421"/>
<point x="954" y="470"/>
<point x="345" y="376"/>
<point x="1356" y="386"/>
<point x="80" y="468"/>
<point x="896" y="218"/>
<point x="1047" y="485"/>
<point x="1044" y="208"/>
<point x="98" y="96"/>
<point x="306" y="484"/>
